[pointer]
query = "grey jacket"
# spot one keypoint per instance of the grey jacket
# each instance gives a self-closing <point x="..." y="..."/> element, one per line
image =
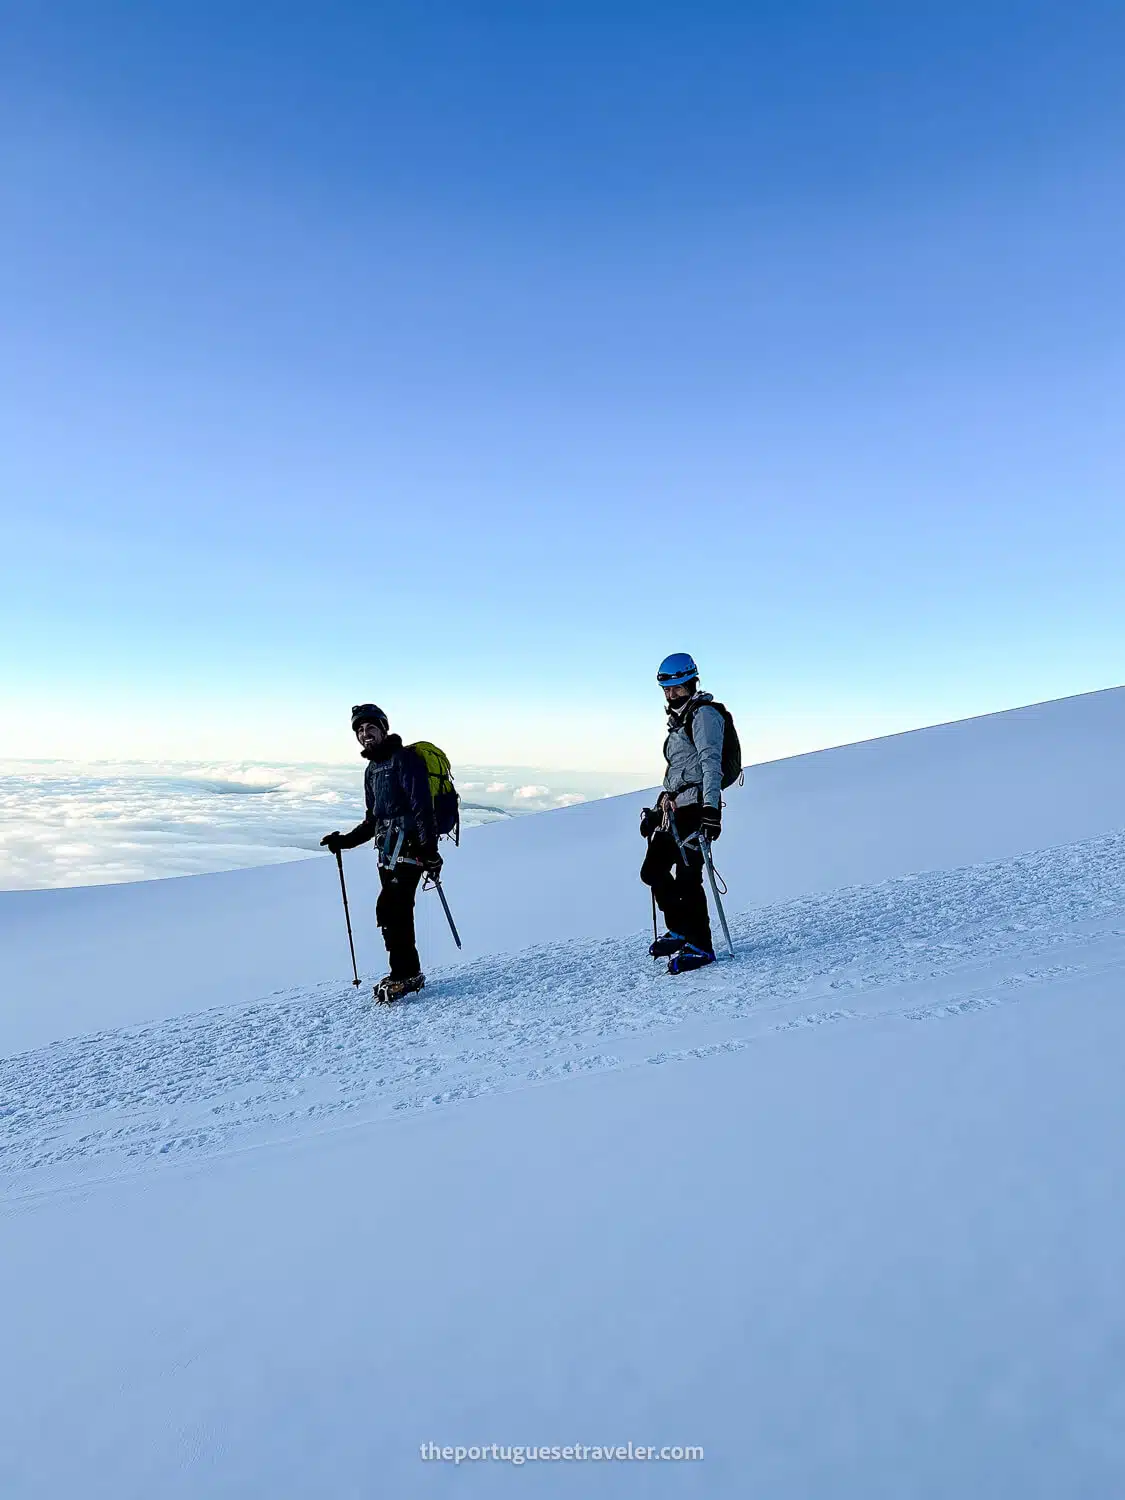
<point x="698" y="767"/>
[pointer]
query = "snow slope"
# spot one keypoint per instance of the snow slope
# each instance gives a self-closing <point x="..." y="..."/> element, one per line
<point x="938" y="798"/>
<point x="845" y="1212"/>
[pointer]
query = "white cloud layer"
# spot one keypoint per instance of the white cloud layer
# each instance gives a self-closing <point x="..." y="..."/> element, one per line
<point x="65" y="823"/>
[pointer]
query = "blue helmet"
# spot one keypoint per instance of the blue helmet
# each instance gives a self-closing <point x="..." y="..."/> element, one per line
<point x="677" y="669"/>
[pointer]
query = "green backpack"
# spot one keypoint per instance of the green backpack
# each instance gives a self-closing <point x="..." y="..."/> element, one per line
<point x="447" y="803"/>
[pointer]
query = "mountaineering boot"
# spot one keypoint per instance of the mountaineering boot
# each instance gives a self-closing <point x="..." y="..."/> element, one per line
<point x="689" y="957"/>
<point x="671" y="942"/>
<point x="391" y="989"/>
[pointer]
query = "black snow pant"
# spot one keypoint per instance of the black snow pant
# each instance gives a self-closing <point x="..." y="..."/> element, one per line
<point x="394" y="912"/>
<point x="678" y="888"/>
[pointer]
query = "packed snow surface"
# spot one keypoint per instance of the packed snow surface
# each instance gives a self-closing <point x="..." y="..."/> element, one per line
<point x="843" y="1212"/>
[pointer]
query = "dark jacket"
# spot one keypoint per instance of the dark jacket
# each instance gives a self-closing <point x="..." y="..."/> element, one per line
<point x="396" y="789"/>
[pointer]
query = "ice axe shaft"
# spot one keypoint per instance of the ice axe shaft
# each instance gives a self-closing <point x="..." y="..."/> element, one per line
<point x="705" y="845"/>
<point x="448" y="913"/>
<point x="347" y="916"/>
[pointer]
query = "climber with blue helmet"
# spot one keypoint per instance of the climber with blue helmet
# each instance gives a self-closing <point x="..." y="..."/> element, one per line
<point x="689" y="808"/>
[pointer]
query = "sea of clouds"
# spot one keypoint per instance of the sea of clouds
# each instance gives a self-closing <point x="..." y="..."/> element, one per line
<point x="68" y="823"/>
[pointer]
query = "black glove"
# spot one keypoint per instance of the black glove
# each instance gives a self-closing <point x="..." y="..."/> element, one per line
<point x="333" y="842"/>
<point x="711" y="823"/>
<point x="652" y="820"/>
<point x="431" y="862"/>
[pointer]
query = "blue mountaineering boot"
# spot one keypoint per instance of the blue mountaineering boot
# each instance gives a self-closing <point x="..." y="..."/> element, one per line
<point x="689" y="957"/>
<point x="671" y="942"/>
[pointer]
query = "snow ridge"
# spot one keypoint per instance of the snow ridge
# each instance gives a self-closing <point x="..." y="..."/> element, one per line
<point x="322" y="1057"/>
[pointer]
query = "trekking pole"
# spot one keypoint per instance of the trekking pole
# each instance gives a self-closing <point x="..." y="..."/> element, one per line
<point x="347" y="916"/>
<point x="652" y="893"/>
<point x="448" y="913"/>
<point x="705" y="845"/>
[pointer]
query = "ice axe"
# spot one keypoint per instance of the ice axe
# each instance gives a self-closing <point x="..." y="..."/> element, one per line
<point x="705" y="845"/>
<point x="445" y="907"/>
<point x="347" y="916"/>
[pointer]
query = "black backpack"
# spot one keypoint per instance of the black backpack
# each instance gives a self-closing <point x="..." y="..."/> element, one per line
<point x="732" y="749"/>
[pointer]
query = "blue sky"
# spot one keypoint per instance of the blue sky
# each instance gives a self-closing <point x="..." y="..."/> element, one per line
<point x="472" y="357"/>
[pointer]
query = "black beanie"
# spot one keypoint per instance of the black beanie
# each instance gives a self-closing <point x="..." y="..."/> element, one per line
<point x="369" y="713"/>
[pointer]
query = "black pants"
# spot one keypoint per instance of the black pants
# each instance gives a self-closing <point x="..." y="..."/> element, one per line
<point x="678" y="888"/>
<point x="394" y="912"/>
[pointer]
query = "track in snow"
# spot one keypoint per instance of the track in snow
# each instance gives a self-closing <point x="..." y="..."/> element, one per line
<point x="923" y="947"/>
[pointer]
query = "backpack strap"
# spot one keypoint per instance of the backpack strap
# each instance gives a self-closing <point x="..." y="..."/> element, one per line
<point x="688" y="720"/>
<point x="693" y="709"/>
